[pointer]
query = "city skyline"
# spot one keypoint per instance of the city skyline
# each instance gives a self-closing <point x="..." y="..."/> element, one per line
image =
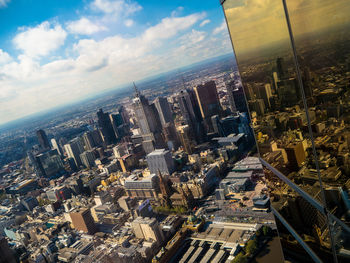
<point x="75" y="50"/>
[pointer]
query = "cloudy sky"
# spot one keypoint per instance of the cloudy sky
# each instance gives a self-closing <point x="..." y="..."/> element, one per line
<point x="57" y="51"/>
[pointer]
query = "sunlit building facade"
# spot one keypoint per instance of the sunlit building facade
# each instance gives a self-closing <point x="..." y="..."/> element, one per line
<point x="294" y="60"/>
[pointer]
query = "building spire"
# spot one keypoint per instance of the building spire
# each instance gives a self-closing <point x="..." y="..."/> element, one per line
<point x="137" y="93"/>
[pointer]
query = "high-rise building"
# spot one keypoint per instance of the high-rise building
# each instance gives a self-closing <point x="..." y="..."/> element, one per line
<point x="191" y="114"/>
<point x="186" y="138"/>
<point x="266" y="94"/>
<point x="160" y="160"/>
<point x="92" y="139"/>
<point x="187" y="108"/>
<point x="164" y="110"/>
<point x="42" y="138"/>
<point x="104" y="122"/>
<point x="82" y="220"/>
<point x="236" y="97"/>
<point x="88" y="159"/>
<point x="73" y="149"/>
<point x="148" y="120"/>
<point x="208" y="99"/>
<point x="50" y="164"/>
<point x="56" y="146"/>
<point x="117" y="121"/>
<point x="148" y="229"/>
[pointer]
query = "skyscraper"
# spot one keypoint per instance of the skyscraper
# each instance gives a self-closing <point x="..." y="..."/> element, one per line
<point x="191" y="114"/>
<point x="164" y="110"/>
<point x="73" y="149"/>
<point x="148" y="119"/>
<point x="88" y="159"/>
<point x="49" y="164"/>
<point x="236" y="97"/>
<point x="42" y="138"/>
<point x="56" y="146"/>
<point x="104" y="122"/>
<point x="208" y="99"/>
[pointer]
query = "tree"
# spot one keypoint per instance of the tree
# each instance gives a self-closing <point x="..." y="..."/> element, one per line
<point x="251" y="247"/>
<point x="240" y="258"/>
<point x="266" y="230"/>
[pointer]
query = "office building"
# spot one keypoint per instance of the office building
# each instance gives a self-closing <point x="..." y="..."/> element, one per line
<point x="49" y="164"/>
<point x="160" y="160"/>
<point x="82" y="220"/>
<point x="164" y="110"/>
<point x="208" y="99"/>
<point x="56" y="146"/>
<point x="117" y="122"/>
<point x="191" y="114"/>
<point x="43" y="140"/>
<point x="148" y="120"/>
<point x="105" y="124"/>
<point x="73" y="149"/>
<point x="148" y="229"/>
<point x="92" y="139"/>
<point x="236" y="97"/>
<point x="88" y="159"/>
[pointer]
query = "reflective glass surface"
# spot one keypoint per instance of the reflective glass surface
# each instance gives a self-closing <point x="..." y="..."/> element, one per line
<point x="265" y="59"/>
<point x="285" y="135"/>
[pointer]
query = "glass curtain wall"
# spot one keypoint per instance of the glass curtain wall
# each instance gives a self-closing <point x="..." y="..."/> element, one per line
<point x="294" y="61"/>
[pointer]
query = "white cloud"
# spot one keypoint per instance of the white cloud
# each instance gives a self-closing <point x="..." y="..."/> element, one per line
<point x="193" y="37"/>
<point x="220" y="29"/>
<point x="84" y="26"/>
<point x="170" y="26"/>
<point x="40" y="40"/>
<point x="27" y="87"/>
<point x="204" y="22"/>
<point x="116" y="6"/>
<point x="128" y="22"/>
<point x="4" y="57"/>
<point x="3" y="3"/>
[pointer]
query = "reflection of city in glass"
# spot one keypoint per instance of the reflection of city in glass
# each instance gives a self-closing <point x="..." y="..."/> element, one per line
<point x="276" y="101"/>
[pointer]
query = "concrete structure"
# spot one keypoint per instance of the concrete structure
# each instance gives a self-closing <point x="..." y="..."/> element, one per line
<point x="148" y="229"/>
<point x="83" y="221"/>
<point x="160" y="161"/>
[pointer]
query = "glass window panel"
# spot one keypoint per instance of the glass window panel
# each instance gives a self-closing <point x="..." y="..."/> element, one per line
<point x="341" y="239"/>
<point x="292" y="250"/>
<point x="265" y="60"/>
<point x="308" y="222"/>
<point x="321" y="29"/>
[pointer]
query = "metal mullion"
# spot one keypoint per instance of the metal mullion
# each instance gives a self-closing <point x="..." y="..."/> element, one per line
<point x="296" y="188"/>
<point x="323" y="196"/>
<point x="296" y="236"/>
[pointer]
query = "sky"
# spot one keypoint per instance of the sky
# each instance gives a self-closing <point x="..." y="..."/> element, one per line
<point x="60" y="51"/>
<point x="258" y="23"/>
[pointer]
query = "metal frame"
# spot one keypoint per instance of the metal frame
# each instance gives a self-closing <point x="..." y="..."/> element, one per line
<point x="296" y="236"/>
<point x="296" y="61"/>
<point x="322" y="207"/>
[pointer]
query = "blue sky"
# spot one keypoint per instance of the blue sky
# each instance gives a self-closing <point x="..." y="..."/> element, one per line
<point x="54" y="52"/>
